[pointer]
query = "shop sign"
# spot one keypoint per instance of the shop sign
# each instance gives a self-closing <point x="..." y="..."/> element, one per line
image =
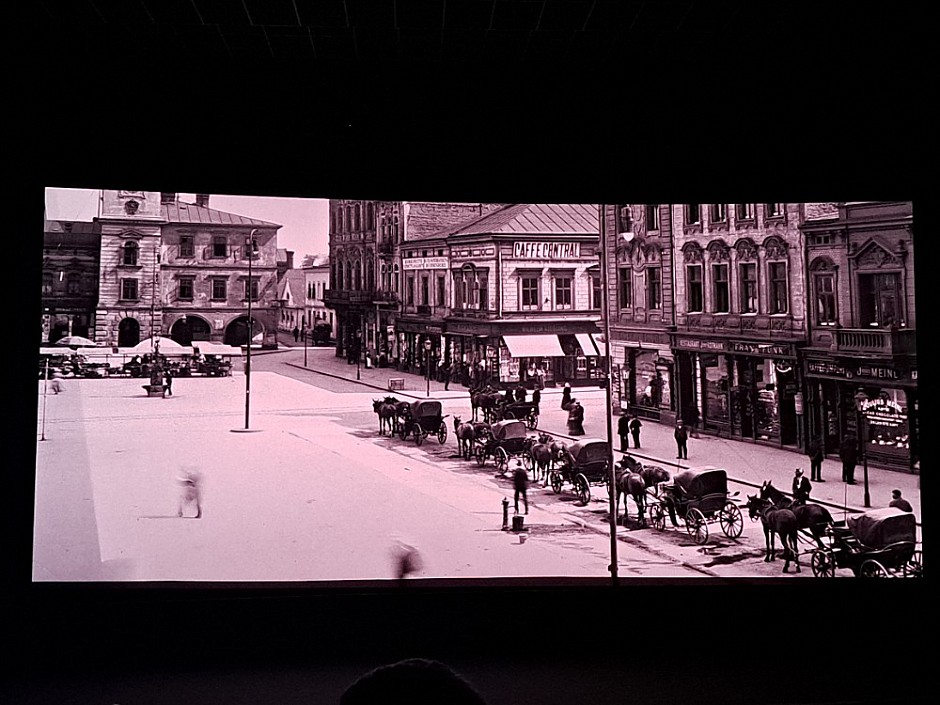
<point x="425" y="263"/>
<point x="760" y="349"/>
<point x="884" y="412"/>
<point x="546" y="250"/>
<point x="823" y="367"/>
<point x="798" y="403"/>
<point x="472" y="252"/>
<point x="699" y="344"/>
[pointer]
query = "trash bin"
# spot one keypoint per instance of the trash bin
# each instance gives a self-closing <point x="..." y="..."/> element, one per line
<point x="518" y="520"/>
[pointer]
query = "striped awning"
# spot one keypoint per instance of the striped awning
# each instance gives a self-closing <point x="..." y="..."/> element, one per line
<point x="587" y="344"/>
<point x="533" y="345"/>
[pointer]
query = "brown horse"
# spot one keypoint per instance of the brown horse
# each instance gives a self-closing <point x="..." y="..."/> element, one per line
<point x="465" y="433"/>
<point x="558" y="449"/>
<point x="654" y="476"/>
<point x="780" y="522"/>
<point x="633" y="485"/>
<point x="814" y="517"/>
<point x="541" y="454"/>
<point x="385" y="409"/>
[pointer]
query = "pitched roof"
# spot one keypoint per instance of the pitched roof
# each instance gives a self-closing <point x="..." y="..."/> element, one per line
<point x="178" y="212"/>
<point x="73" y="227"/>
<point x="295" y="281"/>
<point x="533" y="219"/>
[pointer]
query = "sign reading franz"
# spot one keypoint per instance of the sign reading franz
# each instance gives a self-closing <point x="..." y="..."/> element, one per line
<point x="546" y="250"/>
<point x="425" y="263"/>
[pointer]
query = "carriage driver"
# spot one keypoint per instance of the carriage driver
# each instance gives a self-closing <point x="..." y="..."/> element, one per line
<point x="669" y="491"/>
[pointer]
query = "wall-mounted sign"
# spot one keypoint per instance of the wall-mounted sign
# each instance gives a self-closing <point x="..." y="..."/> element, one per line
<point x="760" y="349"/>
<point x="832" y="369"/>
<point x="884" y="412"/>
<point x="546" y="250"/>
<point x="424" y="263"/>
<point x="699" y="344"/>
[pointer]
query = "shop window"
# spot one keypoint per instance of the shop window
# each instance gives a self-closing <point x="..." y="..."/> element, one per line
<point x="779" y="299"/>
<point x="748" y="272"/>
<point x="693" y="213"/>
<point x="563" y="292"/>
<point x="719" y="213"/>
<point x="715" y="382"/>
<point x="654" y="288"/>
<point x="644" y="376"/>
<point x="187" y="246"/>
<point x="886" y="425"/>
<point x="879" y="300"/>
<point x="530" y="293"/>
<point x="652" y="218"/>
<point x="129" y="289"/>
<point x="825" y="287"/>
<point x="625" y="287"/>
<point x="744" y="211"/>
<point x="219" y="246"/>
<point x="219" y="289"/>
<point x="129" y="254"/>
<point x="695" y="291"/>
<point x="186" y="288"/>
<point x="721" y="303"/>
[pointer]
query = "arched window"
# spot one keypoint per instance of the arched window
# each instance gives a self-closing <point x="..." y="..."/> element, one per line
<point x="370" y="217"/>
<point x="370" y="274"/>
<point x="358" y="282"/>
<point x="129" y="254"/>
<point x="348" y="282"/>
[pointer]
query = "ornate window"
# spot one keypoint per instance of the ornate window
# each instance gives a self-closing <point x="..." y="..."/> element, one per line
<point x="654" y="288"/>
<point x="652" y="218"/>
<point x="186" y="288"/>
<point x="219" y="289"/>
<point x="129" y="254"/>
<point x="777" y="287"/>
<point x="748" y="278"/>
<point x="694" y="288"/>
<point x="720" y="291"/>
<point x="625" y="287"/>
<point x="129" y="290"/>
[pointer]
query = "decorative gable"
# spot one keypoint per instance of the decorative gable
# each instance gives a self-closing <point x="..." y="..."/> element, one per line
<point x="873" y="254"/>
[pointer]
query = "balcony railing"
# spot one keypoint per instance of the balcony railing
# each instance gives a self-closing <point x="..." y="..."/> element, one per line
<point x="885" y="342"/>
<point x="760" y="325"/>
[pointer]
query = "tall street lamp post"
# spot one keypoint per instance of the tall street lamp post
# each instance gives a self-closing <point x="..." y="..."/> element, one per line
<point x="860" y="400"/>
<point x="251" y="247"/>
<point x="612" y="476"/>
<point x="427" y="357"/>
<point x="358" y="350"/>
<point x="303" y="332"/>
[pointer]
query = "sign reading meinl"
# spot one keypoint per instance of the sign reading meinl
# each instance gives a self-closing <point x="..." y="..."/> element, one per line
<point x="832" y="369"/>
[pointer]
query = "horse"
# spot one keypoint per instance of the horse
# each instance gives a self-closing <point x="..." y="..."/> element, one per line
<point x="776" y="521"/>
<point x="484" y="400"/>
<point x="654" y="476"/>
<point x="558" y="449"/>
<point x="541" y="454"/>
<point x="630" y="484"/>
<point x="386" y="413"/>
<point x="814" y="517"/>
<point x="465" y="433"/>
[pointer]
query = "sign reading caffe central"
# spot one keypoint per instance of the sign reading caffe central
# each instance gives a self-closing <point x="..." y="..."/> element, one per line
<point x="546" y="250"/>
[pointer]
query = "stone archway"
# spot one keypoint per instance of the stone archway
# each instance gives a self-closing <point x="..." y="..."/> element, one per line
<point x="236" y="333"/>
<point x="128" y="333"/>
<point x="190" y="328"/>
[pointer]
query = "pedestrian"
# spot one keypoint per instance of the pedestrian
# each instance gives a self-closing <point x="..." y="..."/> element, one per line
<point x="520" y="393"/>
<point x="56" y="383"/>
<point x="815" y="453"/>
<point x="296" y="334"/>
<point x="190" y="494"/>
<point x="167" y="383"/>
<point x="898" y="502"/>
<point x="801" y="487"/>
<point x="848" y="453"/>
<point x="635" y="426"/>
<point x="536" y="399"/>
<point x="576" y="418"/>
<point x="623" y="430"/>
<point x="566" y="397"/>
<point x="682" y="438"/>
<point x="520" y="482"/>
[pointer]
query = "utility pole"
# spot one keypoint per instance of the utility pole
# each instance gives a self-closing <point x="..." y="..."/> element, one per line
<point x="612" y="476"/>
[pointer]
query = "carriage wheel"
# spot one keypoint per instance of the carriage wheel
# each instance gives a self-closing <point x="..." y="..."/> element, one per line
<point x="502" y="460"/>
<point x="583" y="489"/>
<point x="555" y="479"/>
<point x="732" y="523"/>
<point x="872" y="569"/>
<point x="657" y="517"/>
<point x="509" y="416"/>
<point x="419" y="435"/>
<point x="442" y="433"/>
<point x="532" y="421"/>
<point x="481" y="456"/>
<point x="823" y="563"/>
<point x="696" y="525"/>
<point x="915" y="567"/>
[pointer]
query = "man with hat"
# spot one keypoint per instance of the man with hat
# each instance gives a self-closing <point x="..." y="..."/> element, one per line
<point x="898" y="502"/>
<point x="801" y="488"/>
<point x="520" y="481"/>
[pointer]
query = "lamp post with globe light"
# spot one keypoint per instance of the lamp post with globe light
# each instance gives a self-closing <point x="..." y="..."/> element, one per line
<point x="860" y="401"/>
<point x="427" y="356"/>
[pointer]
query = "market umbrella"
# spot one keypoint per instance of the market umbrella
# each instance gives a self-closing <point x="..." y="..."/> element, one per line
<point x="166" y="345"/>
<point x="76" y="341"/>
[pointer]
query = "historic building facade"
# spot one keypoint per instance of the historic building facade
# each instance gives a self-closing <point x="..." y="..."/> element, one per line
<point x="740" y="295"/>
<point x="180" y="269"/>
<point x="316" y="282"/>
<point x="861" y="362"/>
<point x="640" y="295"/>
<point x="70" y="262"/>
<point x="526" y="295"/>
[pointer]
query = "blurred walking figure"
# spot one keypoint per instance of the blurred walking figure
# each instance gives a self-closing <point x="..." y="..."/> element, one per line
<point x="848" y="453"/>
<point x="623" y="430"/>
<point x="566" y="397"/>
<point x="190" y="494"/>
<point x="576" y="418"/>
<point x="56" y="383"/>
<point x="405" y="559"/>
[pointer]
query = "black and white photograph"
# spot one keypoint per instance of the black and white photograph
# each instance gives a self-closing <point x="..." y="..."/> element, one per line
<point x="325" y="392"/>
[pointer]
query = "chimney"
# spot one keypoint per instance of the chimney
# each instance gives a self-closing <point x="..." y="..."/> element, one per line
<point x="167" y="197"/>
<point x="290" y="259"/>
<point x="202" y="200"/>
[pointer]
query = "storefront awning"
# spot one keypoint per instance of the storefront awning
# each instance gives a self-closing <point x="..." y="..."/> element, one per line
<point x="533" y="345"/>
<point x="587" y="344"/>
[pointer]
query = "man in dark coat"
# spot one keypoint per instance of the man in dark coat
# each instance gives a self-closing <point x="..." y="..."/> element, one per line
<point x="520" y="483"/>
<point x="801" y="487"/>
<point x="167" y="383"/>
<point x="520" y="393"/>
<point x="296" y="334"/>
<point x="623" y="430"/>
<point x="848" y="452"/>
<point x="682" y="438"/>
<point x="566" y="397"/>
<point x="898" y="502"/>
<point x="576" y="418"/>
<point x="635" y="430"/>
<point x="536" y="399"/>
<point x="815" y="453"/>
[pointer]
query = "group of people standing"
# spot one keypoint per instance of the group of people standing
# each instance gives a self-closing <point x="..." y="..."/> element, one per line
<point x="575" y="411"/>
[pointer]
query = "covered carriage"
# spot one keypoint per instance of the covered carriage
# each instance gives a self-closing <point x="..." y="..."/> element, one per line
<point x="527" y="411"/>
<point x="423" y="418"/>
<point x="701" y="497"/>
<point x="584" y="463"/>
<point x="505" y="440"/>
<point x="876" y="544"/>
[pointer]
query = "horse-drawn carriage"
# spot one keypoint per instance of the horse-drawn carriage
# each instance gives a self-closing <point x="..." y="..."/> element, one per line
<point x="505" y="440"/>
<point x="423" y="418"/>
<point x="582" y="464"/>
<point x="524" y="410"/>
<point x="877" y="544"/>
<point x="700" y="496"/>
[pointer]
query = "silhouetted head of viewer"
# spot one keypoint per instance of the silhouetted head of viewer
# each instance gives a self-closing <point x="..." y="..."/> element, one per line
<point x="413" y="681"/>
